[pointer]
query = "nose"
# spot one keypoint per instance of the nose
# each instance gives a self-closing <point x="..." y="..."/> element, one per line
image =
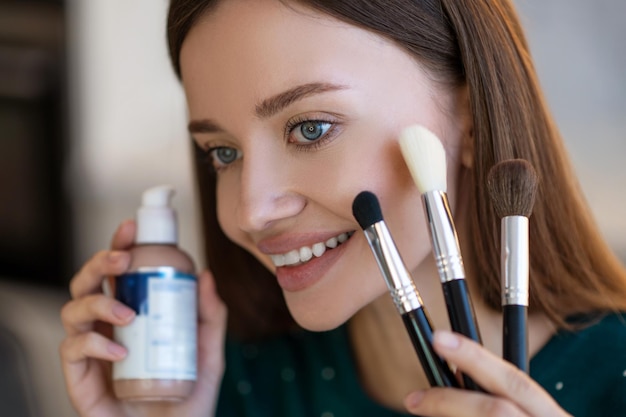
<point x="267" y="191"/>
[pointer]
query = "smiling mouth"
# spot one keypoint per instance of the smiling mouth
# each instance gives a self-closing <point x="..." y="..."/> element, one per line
<point x="306" y="253"/>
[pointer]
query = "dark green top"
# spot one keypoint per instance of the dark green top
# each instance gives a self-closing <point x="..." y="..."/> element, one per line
<point x="313" y="374"/>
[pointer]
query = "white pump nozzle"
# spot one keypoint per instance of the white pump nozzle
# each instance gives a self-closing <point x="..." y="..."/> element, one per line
<point x="156" y="219"/>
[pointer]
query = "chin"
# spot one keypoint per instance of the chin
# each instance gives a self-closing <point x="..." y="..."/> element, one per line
<point x="327" y="310"/>
<point x="318" y="320"/>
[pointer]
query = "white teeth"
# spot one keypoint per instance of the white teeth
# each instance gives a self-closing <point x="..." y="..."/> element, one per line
<point x="319" y="249"/>
<point x="279" y="260"/>
<point x="292" y="257"/>
<point x="306" y="253"/>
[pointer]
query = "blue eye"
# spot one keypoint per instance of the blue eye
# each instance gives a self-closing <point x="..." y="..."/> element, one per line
<point x="310" y="131"/>
<point x="223" y="156"/>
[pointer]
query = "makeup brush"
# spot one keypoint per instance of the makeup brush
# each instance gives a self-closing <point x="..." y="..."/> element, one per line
<point x="367" y="212"/>
<point x="426" y="159"/>
<point x="512" y="185"/>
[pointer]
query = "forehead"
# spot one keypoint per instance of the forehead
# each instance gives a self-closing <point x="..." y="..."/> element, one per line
<point x="262" y="46"/>
<point x="255" y="25"/>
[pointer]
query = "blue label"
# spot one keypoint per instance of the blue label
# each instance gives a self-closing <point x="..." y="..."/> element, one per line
<point x="132" y="288"/>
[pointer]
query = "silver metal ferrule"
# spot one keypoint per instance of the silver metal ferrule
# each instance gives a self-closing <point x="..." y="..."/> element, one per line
<point x="443" y="236"/>
<point x="515" y="268"/>
<point x="399" y="281"/>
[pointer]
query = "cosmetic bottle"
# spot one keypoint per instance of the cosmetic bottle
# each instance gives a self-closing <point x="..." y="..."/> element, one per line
<point x="160" y="286"/>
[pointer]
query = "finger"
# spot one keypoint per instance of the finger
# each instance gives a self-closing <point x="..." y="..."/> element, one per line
<point x="495" y="374"/>
<point x="124" y="236"/>
<point x="211" y="308"/>
<point x="211" y="334"/>
<point x="444" y="402"/>
<point x="89" y="279"/>
<point x="76" y="349"/>
<point x="78" y="316"/>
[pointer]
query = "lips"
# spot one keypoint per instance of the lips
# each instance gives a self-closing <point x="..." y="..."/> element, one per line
<point x="300" y="268"/>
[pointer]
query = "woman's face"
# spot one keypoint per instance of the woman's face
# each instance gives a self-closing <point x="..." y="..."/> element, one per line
<point x="300" y="112"/>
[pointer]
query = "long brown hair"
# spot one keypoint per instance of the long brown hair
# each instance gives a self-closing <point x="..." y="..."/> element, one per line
<point x="480" y="44"/>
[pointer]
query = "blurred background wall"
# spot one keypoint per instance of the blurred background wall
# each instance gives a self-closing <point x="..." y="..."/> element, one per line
<point x="580" y="54"/>
<point x="91" y="115"/>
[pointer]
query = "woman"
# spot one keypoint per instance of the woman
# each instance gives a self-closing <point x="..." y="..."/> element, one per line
<point x="297" y="106"/>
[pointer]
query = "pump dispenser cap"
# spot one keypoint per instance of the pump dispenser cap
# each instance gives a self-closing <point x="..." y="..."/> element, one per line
<point x="156" y="219"/>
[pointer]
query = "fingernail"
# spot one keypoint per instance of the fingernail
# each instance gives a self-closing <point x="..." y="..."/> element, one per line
<point x="124" y="224"/>
<point x="447" y="339"/>
<point x="123" y="312"/>
<point x="414" y="399"/>
<point x="117" y="350"/>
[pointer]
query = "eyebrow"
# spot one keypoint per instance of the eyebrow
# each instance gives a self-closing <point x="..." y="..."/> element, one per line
<point x="274" y="104"/>
<point x="271" y="105"/>
<point x="203" y="126"/>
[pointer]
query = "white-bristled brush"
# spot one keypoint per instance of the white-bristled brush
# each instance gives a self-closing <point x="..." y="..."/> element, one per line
<point x="425" y="157"/>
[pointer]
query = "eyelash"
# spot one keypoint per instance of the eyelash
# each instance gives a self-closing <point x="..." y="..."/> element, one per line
<point x="317" y="144"/>
<point x="205" y="156"/>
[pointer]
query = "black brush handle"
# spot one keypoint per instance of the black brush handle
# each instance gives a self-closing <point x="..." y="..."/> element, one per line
<point x="515" y="336"/>
<point x="462" y="317"/>
<point x="421" y="333"/>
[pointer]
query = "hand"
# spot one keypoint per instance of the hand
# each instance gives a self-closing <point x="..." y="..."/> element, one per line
<point x="513" y="393"/>
<point x="87" y="351"/>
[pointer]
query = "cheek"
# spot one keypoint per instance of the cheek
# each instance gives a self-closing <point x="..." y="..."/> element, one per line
<point x="369" y="158"/>
<point x="227" y="195"/>
<point x="382" y="170"/>
<point x="401" y="204"/>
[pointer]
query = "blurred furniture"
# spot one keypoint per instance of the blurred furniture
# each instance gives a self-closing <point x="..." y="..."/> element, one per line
<point x="35" y="232"/>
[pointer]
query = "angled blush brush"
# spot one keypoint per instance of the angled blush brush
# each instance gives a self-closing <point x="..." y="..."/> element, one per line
<point x="426" y="159"/>
<point x="368" y="214"/>
<point x="512" y="185"/>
